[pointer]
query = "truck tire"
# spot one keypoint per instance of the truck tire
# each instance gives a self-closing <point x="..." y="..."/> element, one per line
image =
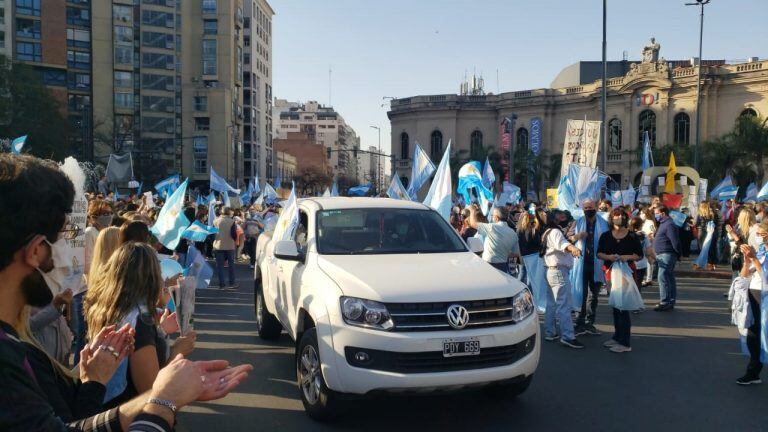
<point x="267" y="325"/>
<point x="509" y="390"/>
<point x="320" y="402"/>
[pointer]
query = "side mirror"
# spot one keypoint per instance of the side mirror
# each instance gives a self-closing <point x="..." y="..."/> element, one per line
<point x="475" y="245"/>
<point x="287" y="250"/>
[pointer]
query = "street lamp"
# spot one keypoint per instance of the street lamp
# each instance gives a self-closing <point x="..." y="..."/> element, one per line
<point x="700" y="3"/>
<point x="378" y="161"/>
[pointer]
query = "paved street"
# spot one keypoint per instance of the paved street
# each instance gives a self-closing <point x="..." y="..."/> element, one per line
<point x="680" y="376"/>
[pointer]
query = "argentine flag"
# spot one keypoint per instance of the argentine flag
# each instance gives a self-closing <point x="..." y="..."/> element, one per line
<point x="197" y="232"/>
<point x="751" y="193"/>
<point x="727" y="193"/>
<point x="289" y="218"/>
<point x="420" y="172"/>
<point x="439" y="195"/>
<point x="335" y="189"/>
<point x="269" y="192"/>
<point x="197" y="267"/>
<point x="647" y="154"/>
<point x="397" y="190"/>
<point x="219" y="184"/>
<point x="171" y="222"/>
<point x="489" y="178"/>
<point x="470" y="177"/>
<point x="17" y="144"/>
<point x="225" y="199"/>
<point x="255" y="188"/>
<point x="167" y="186"/>
<point x="327" y="193"/>
<point x="211" y="212"/>
<point x="360" y="190"/>
<point x="727" y="181"/>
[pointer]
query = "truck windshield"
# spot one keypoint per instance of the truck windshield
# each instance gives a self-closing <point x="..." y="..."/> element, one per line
<point x="385" y="231"/>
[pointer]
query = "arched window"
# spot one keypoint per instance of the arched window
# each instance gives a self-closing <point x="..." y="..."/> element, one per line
<point x="522" y="140"/>
<point x="436" y="145"/>
<point x="476" y="143"/>
<point x="405" y="150"/>
<point x="682" y="129"/>
<point x="614" y="135"/>
<point x="647" y="123"/>
<point x="748" y="112"/>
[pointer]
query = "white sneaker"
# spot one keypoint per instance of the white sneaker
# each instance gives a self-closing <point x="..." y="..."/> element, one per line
<point x="618" y="348"/>
<point x="610" y="343"/>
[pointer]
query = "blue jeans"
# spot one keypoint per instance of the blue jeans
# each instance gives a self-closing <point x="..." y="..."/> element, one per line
<point x="667" y="284"/>
<point x="559" y="294"/>
<point x="221" y="257"/>
<point x="78" y="324"/>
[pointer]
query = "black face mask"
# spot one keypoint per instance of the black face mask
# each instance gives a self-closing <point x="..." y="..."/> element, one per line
<point x="35" y="290"/>
<point x="590" y="213"/>
<point x="563" y="224"/>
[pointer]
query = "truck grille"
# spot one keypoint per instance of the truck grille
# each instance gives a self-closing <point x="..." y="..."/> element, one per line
<point x="433" y="361"/>
<point x="410" y="317"/>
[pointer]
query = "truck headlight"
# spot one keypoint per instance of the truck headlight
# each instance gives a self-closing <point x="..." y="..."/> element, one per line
<point x="365" y="313"/>
<point x="522" y="305"/>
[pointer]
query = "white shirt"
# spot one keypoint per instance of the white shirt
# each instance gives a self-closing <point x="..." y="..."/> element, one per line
<point x="557" y="245"/>
<point x="500" y="241"/>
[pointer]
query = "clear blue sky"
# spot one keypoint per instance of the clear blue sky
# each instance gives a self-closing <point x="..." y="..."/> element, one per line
<point x="404" y="48"/>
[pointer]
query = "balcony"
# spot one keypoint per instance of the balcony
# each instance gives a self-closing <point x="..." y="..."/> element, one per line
<point x="403" y="164"/>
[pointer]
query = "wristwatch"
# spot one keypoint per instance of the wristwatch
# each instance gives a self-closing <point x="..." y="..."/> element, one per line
<point x="163" y="402"/>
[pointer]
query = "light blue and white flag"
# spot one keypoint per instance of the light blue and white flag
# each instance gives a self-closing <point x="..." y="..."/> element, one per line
<point x="211" y="211"/>
<point x="678" y="218"/>
<point x="715" y="193"/>
<point x="17" y="144"/>
<point x="225" y="199"/>
<point x="537" y="280"/>
<point x="167" y="186"/>
<point x="566" y="197"/>
<point x="269" y="194"/>
<point x="201" y="200"/>
<point x="397" y="190"/>
<point x="278" y="182"/>
<point x="647" y="153"/>
<point x="577" y="272"/>
<point x="439" y="195"/>
<point x="751" y="193"/>
<point x="289" y="218"/>
<point x="470" y="177"/>
<point x="335" y="189"/>
<point x="585" y="182"/>
<point x="703" y="258"/>
<point x="762" y="195"/>
<point x="219" y="184"/>
<point x="171" y="221"/>
<point x="196" y="266"/>
<point x="361" y="190"/>
<point x="255" y="188"/>
<point x="728" y="193"/>
<point x="421" y="170"/>
<point x="327" y="193"/>
<point x="198" y="232"/>
<point x="489" y="178"/>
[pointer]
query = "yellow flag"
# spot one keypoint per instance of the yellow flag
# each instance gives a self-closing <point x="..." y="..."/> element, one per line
<point x="552" y="198"/>
<point x="669" y="183"/>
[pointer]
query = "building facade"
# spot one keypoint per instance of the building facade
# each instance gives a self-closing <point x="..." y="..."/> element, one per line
<point x="323" y="125"/>
<point x="654" y="96"/>
<point x="286" y="166"/>
<point x="310" y="155"/>
<point x="258" y="153"/>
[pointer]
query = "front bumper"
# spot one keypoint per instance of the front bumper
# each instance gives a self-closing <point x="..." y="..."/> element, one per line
<point x="412" y="361"/>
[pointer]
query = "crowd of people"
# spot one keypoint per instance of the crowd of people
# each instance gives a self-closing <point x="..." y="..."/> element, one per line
<point x="568" y="259"/>
<point x="129" y="370"/>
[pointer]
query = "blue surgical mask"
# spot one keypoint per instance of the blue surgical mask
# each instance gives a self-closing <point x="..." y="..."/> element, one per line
<point x="658" y="217"/>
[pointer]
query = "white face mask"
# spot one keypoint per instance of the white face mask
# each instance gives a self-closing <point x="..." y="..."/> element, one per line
<point x="67" y="270"/>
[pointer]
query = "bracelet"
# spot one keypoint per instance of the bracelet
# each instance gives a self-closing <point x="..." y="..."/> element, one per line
<point x="162" y="402"/>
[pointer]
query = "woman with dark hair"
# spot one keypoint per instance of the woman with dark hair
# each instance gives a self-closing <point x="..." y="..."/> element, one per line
<point x="135" y="231"/>
<point x="619" y="244"/>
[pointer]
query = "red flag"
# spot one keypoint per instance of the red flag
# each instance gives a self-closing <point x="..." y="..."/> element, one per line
<point x="672" y="201"/>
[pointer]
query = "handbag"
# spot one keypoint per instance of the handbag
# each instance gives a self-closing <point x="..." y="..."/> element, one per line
<point x="624" y="293"/>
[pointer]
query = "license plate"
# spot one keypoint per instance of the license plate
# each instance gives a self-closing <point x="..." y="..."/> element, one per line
<point x="461" y="347"/>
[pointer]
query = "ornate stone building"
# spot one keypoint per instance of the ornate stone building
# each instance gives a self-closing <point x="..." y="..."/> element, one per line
<point x="654" y="95"/>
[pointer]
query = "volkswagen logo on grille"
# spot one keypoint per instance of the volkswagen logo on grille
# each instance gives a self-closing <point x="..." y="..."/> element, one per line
<point x="458" y="317"/>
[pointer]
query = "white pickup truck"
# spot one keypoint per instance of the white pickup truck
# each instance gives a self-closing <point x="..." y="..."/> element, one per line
<point x="382" y="295"/>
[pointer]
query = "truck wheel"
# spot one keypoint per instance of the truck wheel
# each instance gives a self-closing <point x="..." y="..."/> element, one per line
<point x="320" y="402"/>
<point x="509" y="390"/>
<point x="267" y="325"/>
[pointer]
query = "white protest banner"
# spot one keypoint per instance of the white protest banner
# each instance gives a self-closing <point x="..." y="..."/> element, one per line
<point x="646" y="180"/>
<point x="148" y="200"/>
<point x="703" y="189"/>
<point x="644" y="191"/>
<point x="683" y="180"/>
<point x="580" y="146"/>
<point x="70" y="276"/>
<point x="661" y="181"/>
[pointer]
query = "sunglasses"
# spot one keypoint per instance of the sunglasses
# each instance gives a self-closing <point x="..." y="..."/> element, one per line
<point x="70" y="232"/>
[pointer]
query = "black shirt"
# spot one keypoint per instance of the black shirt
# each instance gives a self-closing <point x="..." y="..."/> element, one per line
<point x="530" y="241"/>
<point x="146" y="335"/>
<point x="629" y="245"/>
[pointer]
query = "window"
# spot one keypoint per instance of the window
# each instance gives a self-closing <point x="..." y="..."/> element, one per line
<point x="29" y="51"/>
<point x="476" y="143"/>
<point x="28" y="7"/>
<point x="749" y="112"/>
<point x="209" y="56"/>
<point x="122" y="14"/>
<point x="436" y="145"/>
<point x="78" y="38"/>
<point x="614" y="135"/>
<point x="123" y="79"/>
<point x="78" y="59"/>
<point x="77" y="16"/>
<point x="157" y="124"/>
<point x="54" y="78"/>
<point x="156" y="82"/>
<point x="79" y="81"/>
<point x="682" y="128"/>
<point x="201" y="103"/>
<point x="405" y="151"/>
<point x="123" y="55"/>
<point x="522" y="140"/>
<point x="168" y="3"/>
<point x="124" y="35"/>
<point x="2" y="38"/>
<point x="158" y="61"/>
<point x="200" y="148"/>
<point x="157" y="40"/>
<point x="28" y="28"/>
<point x="202" y="123"/>
<point x="157" y="103"/>
<point x="647" y="123"/>
<point x="210" y="26"/>
<point x="209" y="6"/>
<point x="239" y="62"/>
<point x="124" y="100"/>
<point x="156" y="18"/>
<point x="77" y="102"/>
<point x="123" y="124"/>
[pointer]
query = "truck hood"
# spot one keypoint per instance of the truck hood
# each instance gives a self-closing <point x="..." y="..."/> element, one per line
<point x="407" y="278"/>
